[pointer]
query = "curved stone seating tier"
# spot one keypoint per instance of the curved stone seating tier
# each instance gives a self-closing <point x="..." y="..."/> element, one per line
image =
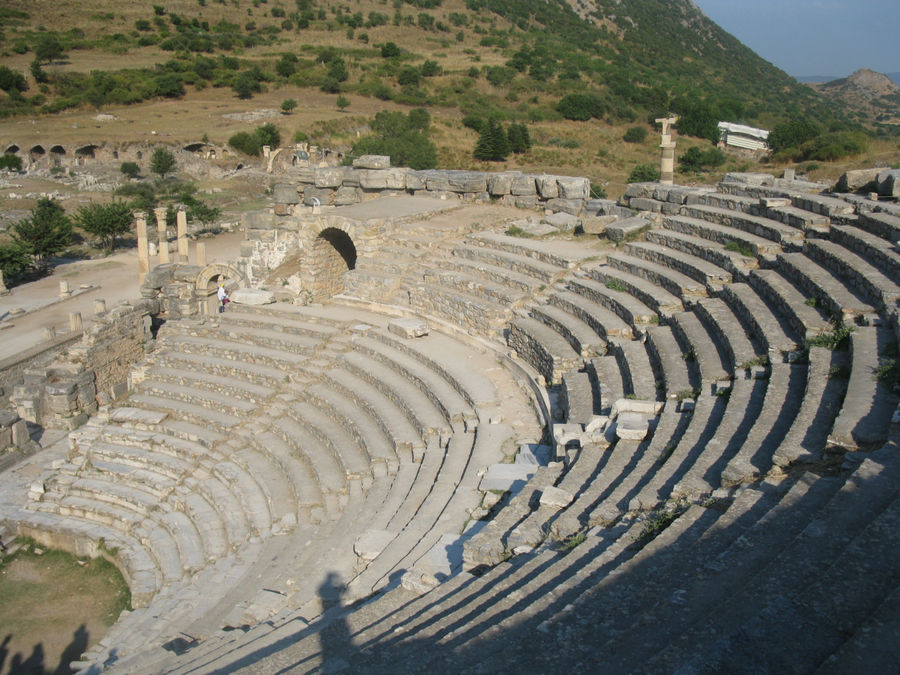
<point x="754" y="457"/>
<point x="785" y="235"/>
<point x="760" y="321"/>
<point x="515" y="258"/>
<point x="474" y="285"/>
<point x="548" y="352"/>
<point x="577" y="399"/>
<point x="669" y="362"/>
<point x="674" y="282"/>
<point x="252" y="394"/>
<point x="197" y="395"/>
<point x="699" y="348"/>
<point x="721" y="234"/>
<point x="559" y="255"/>
<point x="302" y="325"/>
<point x="198" y="414"/>
<point x="609" y="326"/>
<point x="726" y="329"/>
<point x="504" y="276"/>
<point x="859" y="273"/>
<point x="265" y="356"/>
<point x="624" y="305"/>
<point x="330" y="474"/>
<point x="610" y="381"/>
<point x="638" y="375"/>
<point x="804" y="317"/>
<point x="884" y="225"/>
<point x="736" y="264"/>
<point x="584" y="340"/>
<point x="825" y="287"/>
<point x="241" y="374"/>
<point x="877" y="251"/>
<point x="808" y="435"/>
<point x="865" y="417"/>
<point x="653" y="296"/>
<point x="476" y="314"/>
<point x="275" y="486"/>
<point x="707" y="273"/>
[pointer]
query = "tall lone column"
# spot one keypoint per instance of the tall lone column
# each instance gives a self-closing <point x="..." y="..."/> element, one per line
<point x="160" y="213"/>
<point x="201" y="254"/>
<point x="667" y="159"/>
<point x="181" y="220"/>
<point x="143" y="249"/>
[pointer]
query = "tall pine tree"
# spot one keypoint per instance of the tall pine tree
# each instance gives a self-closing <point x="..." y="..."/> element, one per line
<point x="493" y="143"/>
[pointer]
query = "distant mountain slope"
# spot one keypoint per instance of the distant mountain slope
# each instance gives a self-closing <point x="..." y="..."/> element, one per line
<point x="867" y="93"/>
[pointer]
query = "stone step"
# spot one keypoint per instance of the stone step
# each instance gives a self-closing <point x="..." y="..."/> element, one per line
<point x="637" y="372"/>
<point x="584" y="340"/>
<point x="257" y="334"/>
<point x="408" y="442"/>
<point x="473" y="313"/>
<point x="333" y="438"/>
<point x="609" y="326"/>
<point x="627" y="307"/>
<point x="185" y="533"/>
<point x="734" y="262"/>
<point x="227" y="385"/>
<point x="721" y="200"/>
<point x="698" y="347"/>
<point x="767" y="328"/>
<point x="668" y="279"/>
<point x="884" y="225"/>
<point x="419" y="409"/>
<point x="701" y="468"/>
<point x="198" y="414"/>
<point x="865" y="417"/>
<point x="197" y="395"/>
<point x="330" y="474"/>
<point x="726" y="329"/>
<point x="808" y="435"/>
<point x="219" y="495"/>
<point x="722" y="234"/>
<point x="800" y="218"/>
<point x="209" y="525"/>
<point x="139" y="457"/>
<point x="516" y="261"/>
<point x="537" y="250"/>
<point x="245" y="373"/>
<point x="248" y="353"/>
<point x="697" y="268"/>
<point x="788" y="300"/>
<point x="857" y="272"/>
<point x="669" y="363"/>
<point x="276" y="488"/>
<point x="577" y="397"/>
<point x="548" y="352"/>
<point x="147" y="479"/>
<point x="238" y="315"/>
<point x="674" y="462"/>
<point x="478" y="286"/>
<point x="610" y="381"/>
<point x="782" y="234"/>
<point x="251" y="497"/>
<point x="879" y="252"/>
<point x="816" y="281"/>
<point x="520" y="283"/>
<point x="650" y="294"/>
<point x="784" y="394"/>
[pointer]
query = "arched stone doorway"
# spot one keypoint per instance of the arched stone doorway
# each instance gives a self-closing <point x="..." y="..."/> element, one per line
<point x="333" y="254"/>
<point x="208" y="282"/>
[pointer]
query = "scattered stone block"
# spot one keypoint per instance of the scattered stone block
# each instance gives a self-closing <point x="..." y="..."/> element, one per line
<point x="408" y="327"/>
<point x="854" y="181"/>
<point x="573" y="187"/>
<point x="507" y="477"/>
<point x="442" y="560"/>
<point x="597" y="224"/>
<point x="889" y="183"/>
<point x="621" y="229"/>
<point x="252" y="296"/>
<point x="562" y="221"/>
<point x="556" y="498"/>
<point x="347" y="195"/>
<point x="548" y="187"/>
<point x="631" y="426"/>
<point x="499" y="184"/>
<point x="372" y="162"/>
<point x="284" y="193"/>
<point x="329" y="177"/>
<point x="418" y="583"/>
<point x="573" y="207"/>
<point x="522" y="186"/>
<point x="534" y="228"/>
<point x="534" y="454"/>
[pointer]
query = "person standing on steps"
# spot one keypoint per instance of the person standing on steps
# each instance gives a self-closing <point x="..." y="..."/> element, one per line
<point x="223" y="297"/>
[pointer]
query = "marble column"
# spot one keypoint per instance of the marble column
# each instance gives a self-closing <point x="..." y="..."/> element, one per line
<point x="143" y="249"/>
<point x="161" y="229"/>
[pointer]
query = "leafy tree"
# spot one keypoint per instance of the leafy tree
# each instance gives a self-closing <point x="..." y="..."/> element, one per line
<point x="130" y="169"/>
<point x="14" y="261"/>
<point x="473" y="122"/>
<point x="286" y="65"/>
<point x="402" y="138"/>
<point x="47" y="231"/>
<point x="419" y="119"/>
<point x="389" y="50"/>
<point x="48" y="48"/>
<point x="581" y="107"/>
<point x="105" y="221"/>
<point x="635" y="135"/>
<point x="644" y="173"/>
<point x="408" y="76"/>
<point x="288" y="105"/>
<point x="244" y="141"/>
<point x="493" y="143"/>
<point x="695" y="159"/>
<point x="11" y="162"/>
<point x="430" y="69"/>
<point x="792" y="134"/>
<point x="269" y="135"/>
<point x="162" y="162"/>
<point x="342" y="102"/>
<point x="38" y="73"/>
<point x="11" y="81"/>
<point x="519" y="138"/>
<point x="246" y="84"/>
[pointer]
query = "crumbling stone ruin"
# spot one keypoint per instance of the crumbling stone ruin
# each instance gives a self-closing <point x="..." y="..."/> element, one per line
<point x="488" y="449"/>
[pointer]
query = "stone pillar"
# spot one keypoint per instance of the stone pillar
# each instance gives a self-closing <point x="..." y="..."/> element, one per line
<point x="181" y="219"/>
<point x="201" y="254"/>
<point x="99" y="306"/>
<point x="160" y="213"/>
<point x="3" y="289"/>
<point x="64" y="291"/>
<point x="667" y="159"/>
<point x="49" y="332"/>
<point x="76" y="325"/>
<point x="143" y="250"/>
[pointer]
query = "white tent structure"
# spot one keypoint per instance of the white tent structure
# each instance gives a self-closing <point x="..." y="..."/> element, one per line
<point x="741" y="136"/>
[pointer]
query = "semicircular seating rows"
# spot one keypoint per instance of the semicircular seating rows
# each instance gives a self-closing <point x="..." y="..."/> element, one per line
<point x="717" y="487"/>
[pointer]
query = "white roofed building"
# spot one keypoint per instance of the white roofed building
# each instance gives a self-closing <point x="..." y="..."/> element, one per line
<point x="743" y="137"/>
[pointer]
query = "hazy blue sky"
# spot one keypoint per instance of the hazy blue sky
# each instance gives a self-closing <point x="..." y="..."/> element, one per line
<point x="815" y="37"/>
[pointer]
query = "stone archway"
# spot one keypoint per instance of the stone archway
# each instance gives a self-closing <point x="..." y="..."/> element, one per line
<point x="332" y="254"/>
<point x="208" y="281"/>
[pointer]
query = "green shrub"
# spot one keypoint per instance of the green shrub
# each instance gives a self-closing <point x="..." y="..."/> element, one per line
<point x="696" y="160"/>
<point x="644" y="173"/>
<point x="401" y="137"/>
<point x="130" y="169"/>
<point x="635" y="135"/>
<point x="11" y="162"/>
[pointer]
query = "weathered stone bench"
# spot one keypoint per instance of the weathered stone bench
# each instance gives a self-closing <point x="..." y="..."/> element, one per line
<point x="577" y="333"/>
<point x="884" y="225"/>
<point x="609" y="326"/>
<point x="736" y="264"/>
<point x="515" y="260"/>
<point x="610" y="381"/>
<point x="627" y="307"/>
<point x="858" y="272"/>
<point x="471" y="312"/>
<point x="721" y="234"/>
<point x="658" y="299"/>
<point x="760" y="321"/>
<point x="766" y="228"/>
<point x="478" y="286"/>
<point x="547" y="351"/>
<point x="816" y="281"/>
<point x="516" y="281"/>
<point x="638" y="374"/>
<point x="806" y="320"/>
<point x="668" y="359"/>
<point x="577" y="397"/>
<point x="698" y="346"/>
<point x="724" y="325"/>
<point x="671" y="280"/>
<point x="245" y="373"/>
<point x="697" y="268"/>
<point x="879" y="252"/>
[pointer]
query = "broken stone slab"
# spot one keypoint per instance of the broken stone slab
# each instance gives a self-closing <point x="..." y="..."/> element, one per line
<point x="444" y="559"/>
<point x="572" y="187"/>
<point x="372" y="162"/>
<point x="556" y="498"/>
<point x="408" y="327"/>
<point x="856" y="180"/>
<point x="499" y="184"/>
<point x="507" y="477"/>
<point x="371" y="543"/>
<point x="329" y="177"/>
<point x="466" y="181"/>
<point x="621" y="229"/>
<point x="252" y="296"/>
<point x="596" y="224"/>
<point x="523" y="186"/>
<point x="631" y="426"/>
<point x="573" y="207"/>
<point x="345" y="196"/>
<point x="137" y="416"/>
<point x="889" y="183"/>
<point x="415" y="180"/>
<point x="562" y="221"/>
<point x="633" y="405"/>
<point x="534" y="454"/>
<point x="284" y="193"/>
<point x="534" y="228"/>
<point x="548" y="187"/>
<point x="417" y="582"/>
